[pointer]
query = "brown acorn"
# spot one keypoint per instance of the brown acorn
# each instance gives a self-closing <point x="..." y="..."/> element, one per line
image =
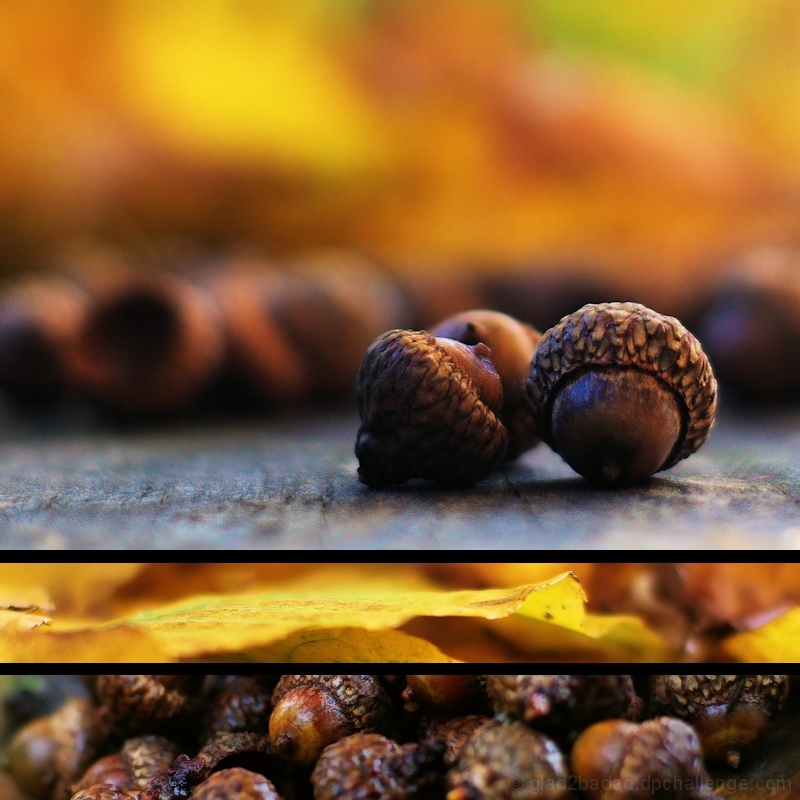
<point x="39" y="323"/>
<point x="621" y="392"/>
<point x="563" y="705"/>
<point x="368" y="766"/>
<point x="621" y="760"/>
<point x="48" y="755"/>
<point x="140" y="704"/>
<point x="312" y="711"/>
<point x="729" y="712"/>
<point x="149" y="345"/>
<point x="506" y="760"/>
<point x="445" y="693"/>
<point x="240" y="703"/>
<point x="236" y="784"/>
<point x="453" y="733"/>
<point x="511" y="343"/>
<point x="751" y="325"/>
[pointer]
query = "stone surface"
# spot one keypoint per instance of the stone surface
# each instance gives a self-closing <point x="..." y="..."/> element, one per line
<point x="291" y="483"/>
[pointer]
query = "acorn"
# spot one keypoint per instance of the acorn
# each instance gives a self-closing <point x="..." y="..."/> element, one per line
<point x="563" y="705"/>
<point x="751" y="325"/>
<point x="39" y="323"/>
<point x="511" y="343"/>
<point x="441" y="408"/>
<point x="313" y="711"/>
<point x="110" y="770"/>
<point x="621" y="760"/>
<point x="430" y="409"/>
<point x="150" y="343"/>
<point x="138" y="704"/>
<point x="241" y="703"/>
<point x="368" y="766"/>
<point x="507" y="760"/>
<point x="729" y="712"/>
<point x="48" y="755"/>
<point x="621" y="392"/>
<point x="445" y="693"/>
<point x="236" y="784"/>
<point x="453" y="733"/>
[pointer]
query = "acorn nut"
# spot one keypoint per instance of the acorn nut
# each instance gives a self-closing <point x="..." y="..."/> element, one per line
<point x="621" y="392"/>
<point x="505" y="760"/>
<point x="621" y="760"/>
<point x="313" y="711"/>
<point x="438" y="408"/>
<point x="729" y="712"/>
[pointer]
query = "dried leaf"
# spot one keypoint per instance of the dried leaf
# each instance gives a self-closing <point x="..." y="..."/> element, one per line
<point x="236" y="623"/>
<point x="777" y="641"/>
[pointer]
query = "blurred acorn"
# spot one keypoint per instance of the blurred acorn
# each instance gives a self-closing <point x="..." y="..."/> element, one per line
<point x="750" y="327"/>
<point x="139" y="704"/>
<point x="368" y="766"/>
<point x="729" y="712"/>
<point x="563" y="705"/>
<point x="506" y="760"/>
<point x="40" y="321"/>
<point x="49" y="754"/>
<point x="333" y="304"/>
<point x="312" y="711"/>
<point x="241" y="703"/>
<point x="150" y="344"/>
<point x="621" y="760"/>
<point x="446" y="693"/>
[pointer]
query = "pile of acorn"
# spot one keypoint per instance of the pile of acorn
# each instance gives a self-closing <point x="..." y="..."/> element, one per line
<point x="371" y="737"/>
<point x="617" y="389"/>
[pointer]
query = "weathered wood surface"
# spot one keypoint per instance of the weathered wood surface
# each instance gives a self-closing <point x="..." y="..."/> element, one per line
<point x="291" y="484"/>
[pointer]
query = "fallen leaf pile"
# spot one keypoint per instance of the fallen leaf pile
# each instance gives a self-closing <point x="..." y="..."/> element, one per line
<point x="398" y="613"/>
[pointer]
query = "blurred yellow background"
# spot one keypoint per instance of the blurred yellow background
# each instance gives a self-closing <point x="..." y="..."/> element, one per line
<point x="649" y="141"/>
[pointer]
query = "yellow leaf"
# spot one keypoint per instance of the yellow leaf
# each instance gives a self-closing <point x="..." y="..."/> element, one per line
<point x="777" y="641"/>
<point x="20" y="620"/>
<point x="343" y="645"/>
<point x="572" y="630"/>
<point x="234" y="623"/>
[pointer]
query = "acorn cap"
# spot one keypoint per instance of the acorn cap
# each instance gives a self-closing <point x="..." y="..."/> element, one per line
<point x="423" y="415"/>
<point x="368" y="766"/>
<point x="627" y="335"/>
<point x="505" y="760"/>
<point x="236" y="783"/>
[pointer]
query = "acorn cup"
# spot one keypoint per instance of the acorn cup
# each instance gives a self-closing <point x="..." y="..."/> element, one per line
<point x="506" y="760"/>
<point x="39" y="322"/>
<point x="621" y="392"/>
<point x="436" y="407"/>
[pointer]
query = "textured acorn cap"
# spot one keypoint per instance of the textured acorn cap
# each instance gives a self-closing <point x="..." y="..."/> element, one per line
<point x="368" y="766"/>
<point x="423" y="416"/>
<point x="626" y="335"/>
<point x="687" y="695"/>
